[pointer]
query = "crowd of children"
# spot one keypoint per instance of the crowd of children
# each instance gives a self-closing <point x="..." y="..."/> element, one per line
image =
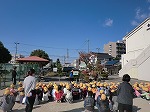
<point x="100" y="94"/>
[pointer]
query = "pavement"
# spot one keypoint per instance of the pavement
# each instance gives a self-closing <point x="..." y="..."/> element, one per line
<point x="139" y="105"/>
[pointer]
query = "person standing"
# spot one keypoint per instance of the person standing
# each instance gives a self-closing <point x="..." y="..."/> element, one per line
<point x="71" y="76"/>
<point x="29" y="89"/>
<point x="14" y="74"/>
<point x="125" y="94"/>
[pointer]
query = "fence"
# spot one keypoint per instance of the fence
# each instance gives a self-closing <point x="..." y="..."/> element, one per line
<point x="22" y="69"/>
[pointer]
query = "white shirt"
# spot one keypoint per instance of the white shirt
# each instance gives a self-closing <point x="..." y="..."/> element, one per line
<point x="29" y="84"/>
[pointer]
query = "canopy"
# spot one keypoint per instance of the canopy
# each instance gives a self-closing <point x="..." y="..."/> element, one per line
<point x="32" y="59"/>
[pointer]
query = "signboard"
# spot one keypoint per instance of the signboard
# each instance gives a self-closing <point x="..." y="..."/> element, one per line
<point x="75" y="72"/>
<point x="54" y="69"/>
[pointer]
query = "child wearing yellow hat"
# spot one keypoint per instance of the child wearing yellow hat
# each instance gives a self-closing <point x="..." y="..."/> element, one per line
<point x="103" y="103"/>
<point x="45" y="94"/>
<point x="68" y="94"/>
<point x="5" y="101"/>
<point x="89" y="102"/>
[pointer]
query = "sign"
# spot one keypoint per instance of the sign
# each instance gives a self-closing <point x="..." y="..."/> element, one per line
<point x="148" y="27"/>
<point x="75" y="72"/>
<point x="54" y="69"/>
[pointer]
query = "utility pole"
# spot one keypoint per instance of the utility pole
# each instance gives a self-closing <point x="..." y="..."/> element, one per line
<point x="98" y="49"/>
<point x="88" y="45"/>
<point x="67" y="55"/>
<point x="16" y="43"/>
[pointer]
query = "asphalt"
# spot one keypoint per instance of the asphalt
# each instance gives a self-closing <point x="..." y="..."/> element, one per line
<point x="140" y="105"/>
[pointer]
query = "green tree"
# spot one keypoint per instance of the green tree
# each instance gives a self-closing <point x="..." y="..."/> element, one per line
<point x="40" y="53"/>
<point x="59" y="67"/>
<point x="5" y="55"/>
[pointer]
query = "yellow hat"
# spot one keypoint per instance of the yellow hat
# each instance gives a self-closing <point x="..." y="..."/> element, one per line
<point x="40" y="84"/>
<point x="67" y="87"/>
<point x="37" y="87"/>
<point x="45" y="89"/>
<point x="12" y="86"/>
<point x="72" y="82"/>
<point x="93" y="86"/>
<point x="101" y="84"/>
<point x="6" y="92"/>
<point x="75" y="84"/>
<point x="103" y="97"/>
<point x="137" y="88"/>
<point x="112" y="90"/>
<point x="89" y="89"/>
<point x="101" y="91"/>
<point x="20" y="89"/>
<point x="19" y="83"/>
<point x="22" y="93"/>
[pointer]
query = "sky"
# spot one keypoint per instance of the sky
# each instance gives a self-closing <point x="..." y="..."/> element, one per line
<point x="61" y="27"/>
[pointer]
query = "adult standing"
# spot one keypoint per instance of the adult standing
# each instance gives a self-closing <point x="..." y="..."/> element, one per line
<point x="125" y="95"/>
<point x="29" y="89"/>
<point x="71" y="76"/>
<point x="14" y="74"/>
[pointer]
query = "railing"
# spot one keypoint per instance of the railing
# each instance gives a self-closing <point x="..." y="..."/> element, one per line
<point x="136" y="62"/>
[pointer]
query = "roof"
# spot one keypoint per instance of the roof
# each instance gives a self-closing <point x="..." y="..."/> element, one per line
<point x="32" y="59"/>
<point x="103" y="55"/>
<point x="111" y="62"/>
<point x="138" y="27"/>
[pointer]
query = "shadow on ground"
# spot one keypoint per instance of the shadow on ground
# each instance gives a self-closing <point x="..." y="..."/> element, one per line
<point x="136" y="109"/>
<point x="79" y="110"/>
<point x="23" y="110"/>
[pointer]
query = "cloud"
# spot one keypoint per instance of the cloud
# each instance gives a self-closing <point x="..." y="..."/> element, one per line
<point x="108" y="22"/>
<point x="140" y="15"/>
<point x="134" y="23"/>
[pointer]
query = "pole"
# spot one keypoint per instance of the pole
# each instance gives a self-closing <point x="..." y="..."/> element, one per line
<point x="88" y="45"/>
<point x="16" y="50"/>
<point x="98" y="49"/>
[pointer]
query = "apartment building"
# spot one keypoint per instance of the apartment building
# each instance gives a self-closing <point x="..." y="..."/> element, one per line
<point x="115" y="49"/>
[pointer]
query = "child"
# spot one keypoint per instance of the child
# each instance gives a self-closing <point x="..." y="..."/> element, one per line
<point x="45" y="94"/>
<point x="84" y="92"/>
<point x="89" y="102"/>
<point x="59" y="94"/>
<point x="5" y="101"/>
<point x="20" y="95"/>
<point x="68" y="94"/>
<point x="103" y="103"/>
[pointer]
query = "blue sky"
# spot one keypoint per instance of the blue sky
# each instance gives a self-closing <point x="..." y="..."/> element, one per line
<point x="57" y="25"/>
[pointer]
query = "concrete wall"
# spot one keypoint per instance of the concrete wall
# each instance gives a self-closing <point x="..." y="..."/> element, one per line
<point x="136" y="61"/>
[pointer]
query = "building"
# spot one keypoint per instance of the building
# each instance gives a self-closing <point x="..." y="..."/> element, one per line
<point x="12" y="61"/>
<point x="93" y="57"/>
<point x="115" y="49"/>
<point x="136" y="61"/>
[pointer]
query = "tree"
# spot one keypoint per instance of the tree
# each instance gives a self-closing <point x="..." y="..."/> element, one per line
<point x="5" y="55"/>
<point x="40" y="53"/>
<point x="59" y="67"/>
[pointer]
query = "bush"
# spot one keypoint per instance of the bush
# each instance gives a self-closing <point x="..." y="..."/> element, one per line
<point x="104" y="75"/>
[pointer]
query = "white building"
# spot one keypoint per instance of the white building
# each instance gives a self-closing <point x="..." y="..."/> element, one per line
<point x="136" y="61"/>
<point x="13" y="58"/>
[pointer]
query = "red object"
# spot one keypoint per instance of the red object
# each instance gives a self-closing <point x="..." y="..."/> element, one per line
<point x="32" y="59"/>
<point x="59" y="95"/>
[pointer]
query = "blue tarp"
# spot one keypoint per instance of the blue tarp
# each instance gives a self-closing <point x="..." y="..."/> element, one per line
<point x="112" y="62"/>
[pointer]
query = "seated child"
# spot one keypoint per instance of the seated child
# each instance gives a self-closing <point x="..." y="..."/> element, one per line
<point x="68" y="94"/>
<point x="89" y="102"/>
<point x="20" y="95"/>
<point x="45" y="94"/>
<point x="58" y="94"/>
<point x="103" y="103"/>
<point x="146" y="94"/>
<point x="5" y="101"/>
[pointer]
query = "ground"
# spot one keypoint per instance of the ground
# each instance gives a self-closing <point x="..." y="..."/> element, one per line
<point x="140" y="105"/>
